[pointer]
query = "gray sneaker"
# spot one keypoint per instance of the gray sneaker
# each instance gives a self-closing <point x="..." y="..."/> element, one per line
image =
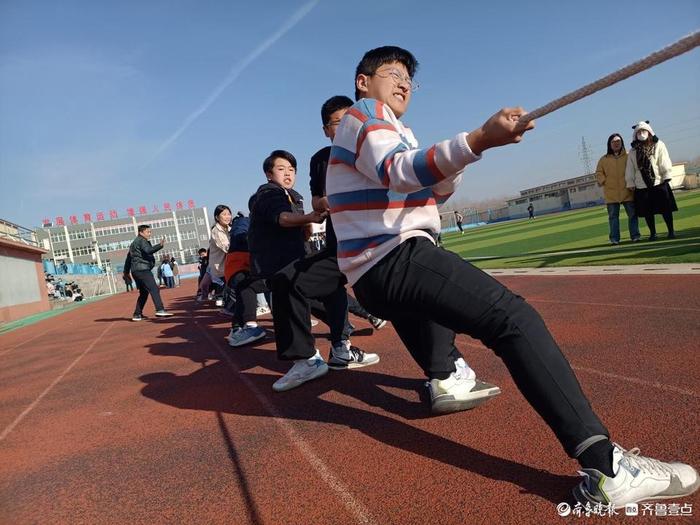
<point x="302" y="370"/>
<point x="246" y="335"/>
<point x="345" y="356"/>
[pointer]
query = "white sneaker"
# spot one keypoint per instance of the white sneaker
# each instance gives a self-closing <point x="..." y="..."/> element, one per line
<point x="219" y="302"/>
<point x="302" y="371"/>
<point x="346" y="356"/>
<point x="262" y="310"/>
<point x="461" y="391"/>
<point x="637" y="478"/>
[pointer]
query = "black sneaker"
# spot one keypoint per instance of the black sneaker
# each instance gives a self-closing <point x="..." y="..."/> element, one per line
<point x="163" y="313"/>
<point x="137" y="318"/>
<point x="345" y="356"/>
<point x="376" y="322"/>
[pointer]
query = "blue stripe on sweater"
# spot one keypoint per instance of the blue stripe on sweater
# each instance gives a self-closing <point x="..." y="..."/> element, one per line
<point x="340" y="155"/>
<point x="352" y="247"/>
<point x="421" y="169"/>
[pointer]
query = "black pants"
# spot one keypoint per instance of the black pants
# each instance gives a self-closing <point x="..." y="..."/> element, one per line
<point x="429" y="294"/>
<point x="355" y="308"/>
<point x="247" y="290"/>
<point x="651" y="222"/>
<point x="314" y="277"/>
<point x="146" y="284"/>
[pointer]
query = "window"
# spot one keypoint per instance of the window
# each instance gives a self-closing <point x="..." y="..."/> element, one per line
<point x="200" y="221"/>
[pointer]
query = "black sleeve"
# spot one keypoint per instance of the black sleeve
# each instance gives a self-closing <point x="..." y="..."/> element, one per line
<point x="317" y="172"/>
<point x="270" y="204"/>
<point x="127" y="263"/>
<point x="150" y="249"/>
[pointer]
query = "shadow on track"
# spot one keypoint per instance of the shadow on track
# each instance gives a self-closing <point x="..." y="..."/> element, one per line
<point x="216" y="388"/>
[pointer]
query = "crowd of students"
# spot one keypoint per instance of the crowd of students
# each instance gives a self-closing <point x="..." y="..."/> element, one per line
<point x="379" y="192"/>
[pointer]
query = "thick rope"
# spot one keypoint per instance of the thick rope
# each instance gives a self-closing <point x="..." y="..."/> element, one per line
<point x="678" y="48"/>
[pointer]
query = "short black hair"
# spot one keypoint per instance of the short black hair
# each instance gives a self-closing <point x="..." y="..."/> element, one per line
<point x="143" y="227"/>
<point x="202" y="250"/>
<point x="220" y="209"/>
<point x="610" y="139"/>
<point x="278" y="154"/>
<point x="376" y="58"/>
<point x="332" y="105"/>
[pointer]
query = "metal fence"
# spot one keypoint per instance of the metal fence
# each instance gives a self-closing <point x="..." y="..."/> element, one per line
<point x="17" y="233"/>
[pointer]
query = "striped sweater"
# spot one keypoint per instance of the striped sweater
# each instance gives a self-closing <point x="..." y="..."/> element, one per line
<point x="382" y="189"/>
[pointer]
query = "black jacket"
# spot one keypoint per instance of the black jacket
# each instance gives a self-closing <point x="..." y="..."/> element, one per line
<point x="272" y="247"/>
<point x="140" y="255"/>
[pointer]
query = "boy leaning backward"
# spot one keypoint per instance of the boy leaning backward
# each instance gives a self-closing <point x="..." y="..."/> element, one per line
<point x="383" y="192"/>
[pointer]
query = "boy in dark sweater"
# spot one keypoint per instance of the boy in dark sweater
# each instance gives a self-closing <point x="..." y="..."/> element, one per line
<point x="278" y="228"/>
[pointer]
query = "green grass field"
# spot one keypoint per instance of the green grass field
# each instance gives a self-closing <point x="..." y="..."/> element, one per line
<point x="578" y="238"/>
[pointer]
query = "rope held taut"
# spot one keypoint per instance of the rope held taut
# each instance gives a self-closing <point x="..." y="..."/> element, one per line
<point x="678" y="48"/>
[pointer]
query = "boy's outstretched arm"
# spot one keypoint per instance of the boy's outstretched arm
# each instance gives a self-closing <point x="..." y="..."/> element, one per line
<point x="500" y="129"/>
<point x="376" y="149"/>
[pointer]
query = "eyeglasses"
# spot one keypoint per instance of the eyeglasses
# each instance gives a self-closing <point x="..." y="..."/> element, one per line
<point x="398" y="79"/>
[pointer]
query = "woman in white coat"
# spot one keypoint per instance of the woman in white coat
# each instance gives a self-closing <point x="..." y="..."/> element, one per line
<point x="648" y="172"/>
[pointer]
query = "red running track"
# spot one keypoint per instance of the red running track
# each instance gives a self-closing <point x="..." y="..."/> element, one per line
<point x="107" y="421"/>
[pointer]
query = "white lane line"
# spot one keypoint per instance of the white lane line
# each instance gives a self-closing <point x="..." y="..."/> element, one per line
<point x="637" y="381"/>
<point x="27" y="410"/>
<point x="356" y="508"/>
<point x="650" y="307"/>
<point x="618" y="377"/>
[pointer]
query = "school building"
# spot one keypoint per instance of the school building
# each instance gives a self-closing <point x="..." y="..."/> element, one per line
<point x="105" y="242"/>
<point x="577" y="192"/>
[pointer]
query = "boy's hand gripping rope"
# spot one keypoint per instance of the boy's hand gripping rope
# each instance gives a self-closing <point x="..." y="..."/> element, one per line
<point x="678" y="48"/>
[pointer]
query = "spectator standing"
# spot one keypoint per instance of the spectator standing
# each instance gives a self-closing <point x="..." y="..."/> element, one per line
<point x="128" y="281"/>
<point x="648" y="173"/>
<point x="458" y="219"/>
<point x="167" y="272"/>
<point x="176" y="270"/>
<point x="610" y="174"/>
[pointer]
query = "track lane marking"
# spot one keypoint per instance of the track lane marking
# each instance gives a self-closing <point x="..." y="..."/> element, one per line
<point x="610" y="375"/>
<point x="6" y="432"/>
<point x="650" y="307"/>
<point x="355" y="507"/>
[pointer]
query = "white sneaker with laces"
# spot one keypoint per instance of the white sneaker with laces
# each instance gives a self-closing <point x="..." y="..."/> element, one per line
<point x="302" y="370"/>
<point x="461" y="391"/>
<point x="345" y="356"/>
<point x="637" y="478"/>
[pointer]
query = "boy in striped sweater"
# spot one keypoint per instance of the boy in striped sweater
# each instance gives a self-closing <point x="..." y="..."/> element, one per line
<point x="383" y="193"/>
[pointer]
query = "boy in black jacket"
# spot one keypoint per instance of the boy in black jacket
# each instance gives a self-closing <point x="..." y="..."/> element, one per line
<point x="278" y="228"/>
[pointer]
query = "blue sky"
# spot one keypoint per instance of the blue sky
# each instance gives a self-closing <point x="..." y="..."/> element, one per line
<point x="110" y="105"/>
